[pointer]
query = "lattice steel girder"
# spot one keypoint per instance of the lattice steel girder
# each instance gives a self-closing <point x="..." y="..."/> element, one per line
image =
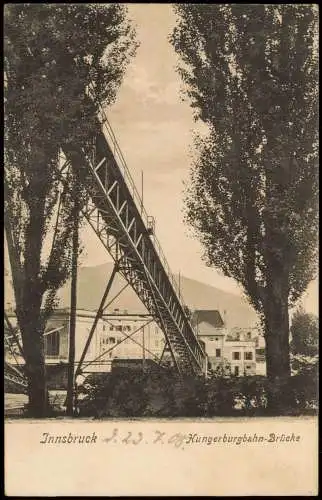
<point x="16" y="380"/>
<point x="117" y="216"/>
<point x="160" y="281"/>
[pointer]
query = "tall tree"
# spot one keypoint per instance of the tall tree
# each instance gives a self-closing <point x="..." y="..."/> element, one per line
<point x="250" y="73"/>
<point x="53" y="52"/>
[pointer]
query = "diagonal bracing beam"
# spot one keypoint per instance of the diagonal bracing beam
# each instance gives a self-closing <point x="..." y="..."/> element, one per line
<point x="123" y="340"/>
<point x="97" y="317"/>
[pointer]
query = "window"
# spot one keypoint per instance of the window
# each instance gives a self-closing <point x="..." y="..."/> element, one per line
<point x="118" y="328"/>
<point x="112" y="340"/>
<point x="111" y="328"/>
<point x="236" y="371"/>
<point x="248" y="367"/>
<point x="249" y="335"/>
<point x="52" y="344"/>
<point x="248" y="356"/>
<point x="104" y="328"/>
<point x="218" y="353"/>
<point x="216" y="339"/>
<point x="236" y="355"/>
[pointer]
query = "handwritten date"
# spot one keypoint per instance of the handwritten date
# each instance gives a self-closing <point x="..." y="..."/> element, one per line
<point x="156" y="437"/>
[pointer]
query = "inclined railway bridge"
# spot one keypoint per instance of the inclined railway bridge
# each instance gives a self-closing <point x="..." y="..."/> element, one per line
<point x="116" y="213"/>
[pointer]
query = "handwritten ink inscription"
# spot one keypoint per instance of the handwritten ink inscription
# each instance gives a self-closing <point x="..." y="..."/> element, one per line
<point x="135" y="438"/>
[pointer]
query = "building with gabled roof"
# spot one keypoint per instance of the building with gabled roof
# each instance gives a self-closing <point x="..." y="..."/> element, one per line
<point x="233" y="352"/>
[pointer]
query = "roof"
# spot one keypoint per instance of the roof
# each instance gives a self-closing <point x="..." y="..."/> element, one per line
<point x="206" y="329"/>
<point x="212" y="317"/>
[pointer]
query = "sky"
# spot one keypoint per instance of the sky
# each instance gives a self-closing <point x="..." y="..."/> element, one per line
<point x="154" y="128"/>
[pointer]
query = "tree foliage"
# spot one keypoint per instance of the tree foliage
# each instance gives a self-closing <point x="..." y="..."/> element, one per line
<point x="305" y="333"/>
<point x="52" y="54"/>
<point x="251" y="74"/>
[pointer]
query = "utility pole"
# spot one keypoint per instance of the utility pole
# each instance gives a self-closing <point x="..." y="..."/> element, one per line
<point x="73" y="304"/>
<point x="143" y="350"/>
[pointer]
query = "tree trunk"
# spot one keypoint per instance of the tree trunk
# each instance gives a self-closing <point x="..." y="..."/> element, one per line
<point x="277" y="347"/>
<point x="28" y="297"/>
<point x="38" y="406"/>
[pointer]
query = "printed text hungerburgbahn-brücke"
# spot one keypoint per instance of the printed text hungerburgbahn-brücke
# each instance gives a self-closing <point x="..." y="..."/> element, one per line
<point x="271" y="437"/>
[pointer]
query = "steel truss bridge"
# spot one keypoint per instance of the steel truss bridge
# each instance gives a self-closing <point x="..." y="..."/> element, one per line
<point x="116" y="213"/>
<point x="13" y="374"/>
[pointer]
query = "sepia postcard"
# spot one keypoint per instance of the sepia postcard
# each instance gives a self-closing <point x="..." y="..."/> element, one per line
<point x="160" y="251"/>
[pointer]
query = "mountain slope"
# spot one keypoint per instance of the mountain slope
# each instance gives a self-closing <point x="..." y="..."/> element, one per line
<point x="92" y="282"/>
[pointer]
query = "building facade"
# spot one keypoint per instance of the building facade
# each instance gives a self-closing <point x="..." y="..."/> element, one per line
<point x="118" y="335"/>
<point x="240" y="350"/>
<point x="231" y="352"/>
<point x="123" y="336"/>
